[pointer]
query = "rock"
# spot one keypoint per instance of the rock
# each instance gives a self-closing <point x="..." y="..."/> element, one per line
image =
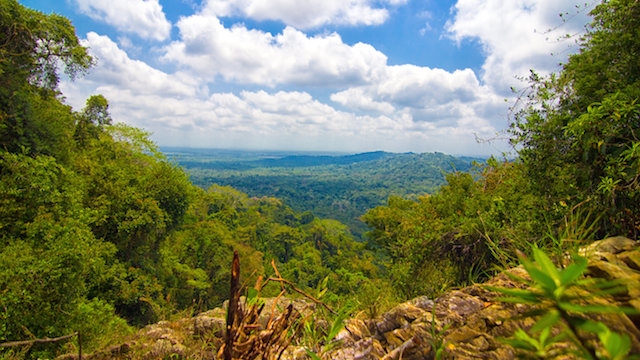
<point x="364" y="349"/>
<point x="165" y="348"/>
<point x="612" y="245"/>
<point x="422" y="302"/>
<point x="470" y="322"/>
<point x="466" y="323"/>
<point x="204" y="324"/>
<point x="631" y="259"/>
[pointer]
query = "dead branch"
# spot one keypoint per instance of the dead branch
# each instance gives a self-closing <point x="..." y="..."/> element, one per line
<point x="294" y="288"/>
<point x="37" y="341"/>
<point x="246" y="338"/>
<point x="232" y="311"/>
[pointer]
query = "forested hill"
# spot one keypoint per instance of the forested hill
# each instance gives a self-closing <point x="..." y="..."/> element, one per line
<point x="244" y="160"/>
<point x="337" y="186"/>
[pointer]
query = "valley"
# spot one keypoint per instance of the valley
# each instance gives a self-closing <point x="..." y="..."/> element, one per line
<point x="330" y="185"/>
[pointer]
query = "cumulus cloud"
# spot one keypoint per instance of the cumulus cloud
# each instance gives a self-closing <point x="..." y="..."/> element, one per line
<point x="117" y="69"/>
<point x="144" y="18"/>
<point x="178" y="108"/>
<point x="413" y="87"/>
<point x="373" y="105"/>
<point x="306" y="14"/>
<point x="516" y="35"/>
<point x="251" y="56"/>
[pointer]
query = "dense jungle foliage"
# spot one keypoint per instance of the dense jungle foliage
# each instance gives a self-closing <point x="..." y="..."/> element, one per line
<point x="341" y="187"/>
<point x="100" y="233"/>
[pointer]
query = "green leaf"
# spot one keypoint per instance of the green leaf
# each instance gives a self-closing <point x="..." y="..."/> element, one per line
<point x="547" y="321"/>
<point x="573" y="271"/>
<point x="517" y="295"/>
<point x="525" y="341"/>
<point x="544" y="335"/>
<point x="547" y="266"/>
<point x="543" y="280"/>
<point x="252" y="293"/>
<point x="617" y="345"/>
<point x="312" y="354"/>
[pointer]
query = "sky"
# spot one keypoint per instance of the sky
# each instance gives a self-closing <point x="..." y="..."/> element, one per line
<point x="319" y="75"/>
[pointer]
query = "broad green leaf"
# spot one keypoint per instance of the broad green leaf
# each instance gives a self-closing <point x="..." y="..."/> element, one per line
<point x="618" y="345"/>
<point x="573" y="271"/>
<point x="543" y="280"/>
<point x="546" y="265"/>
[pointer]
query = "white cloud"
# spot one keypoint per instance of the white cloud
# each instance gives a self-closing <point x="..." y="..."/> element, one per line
<point x="358" y="99"/>
<point x="179" y="109"/>
<point x="374" y="105"/>
<point x="413" y="87"/>
<point x="144" y="18"/>
<point x="252" y="56"/>
<point x="117" y="69"/>
<point x="516" y="35"/>
<point x="305" y="14"/>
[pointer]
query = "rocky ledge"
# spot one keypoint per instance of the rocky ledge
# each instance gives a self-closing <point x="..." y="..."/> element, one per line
<point x="466" y="323"/>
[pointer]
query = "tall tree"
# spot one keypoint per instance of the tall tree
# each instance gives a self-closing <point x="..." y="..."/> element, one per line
<point x="32" y="45"/>
<point x="578" y="136"/>
<point x="92" y="120"/>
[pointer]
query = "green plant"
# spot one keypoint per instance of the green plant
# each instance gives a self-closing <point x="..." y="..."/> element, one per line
<point x="578" y="226"/>
<point x="437" y="341"/>
<point x="321" y="327"/>
<point x="556" y="295"/>
<point x="318" y="339"/>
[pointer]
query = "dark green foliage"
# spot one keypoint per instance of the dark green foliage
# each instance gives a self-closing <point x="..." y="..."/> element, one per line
<point x="337" y="187"/>
<point x="451" y="237"/>
<point x="576" y="177"/>
<point x="50" y="261"/>
<point x="32" y="45"/>
<point x="578" y="133"/>
<point x="91" y="122"/>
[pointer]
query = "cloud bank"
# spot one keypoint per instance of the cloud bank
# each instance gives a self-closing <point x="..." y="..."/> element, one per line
<point x="222" y="84"/>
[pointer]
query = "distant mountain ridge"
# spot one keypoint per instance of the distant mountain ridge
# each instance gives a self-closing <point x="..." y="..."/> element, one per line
<point x="319" y="160"/>
<point x="242" y="160"/>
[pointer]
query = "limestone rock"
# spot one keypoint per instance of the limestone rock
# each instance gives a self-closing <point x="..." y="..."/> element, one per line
<point x="470" y="322"/>
<point x="467" y="323"/>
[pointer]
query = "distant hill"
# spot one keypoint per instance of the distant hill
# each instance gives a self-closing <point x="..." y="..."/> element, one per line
<point x="320" y="160"/>
<point x="244" y="160"/>
<point x="338" y="186"/>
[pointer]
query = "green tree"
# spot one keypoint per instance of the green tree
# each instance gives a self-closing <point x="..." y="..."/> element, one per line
<point x="92" y="120"/>
<point x="31" y="47"/>
<point x="50" y="261"/>
<point x="577" y="136"/>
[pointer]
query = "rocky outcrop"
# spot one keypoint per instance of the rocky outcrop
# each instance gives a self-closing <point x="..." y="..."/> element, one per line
<point x="469" y="323"/>
<point x="466" y="323"/>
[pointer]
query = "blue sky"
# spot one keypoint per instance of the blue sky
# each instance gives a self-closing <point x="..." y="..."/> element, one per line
<point x="318" y="75"/>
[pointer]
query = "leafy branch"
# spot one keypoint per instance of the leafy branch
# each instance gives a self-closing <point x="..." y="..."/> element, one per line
<point x="558" y="296"/>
